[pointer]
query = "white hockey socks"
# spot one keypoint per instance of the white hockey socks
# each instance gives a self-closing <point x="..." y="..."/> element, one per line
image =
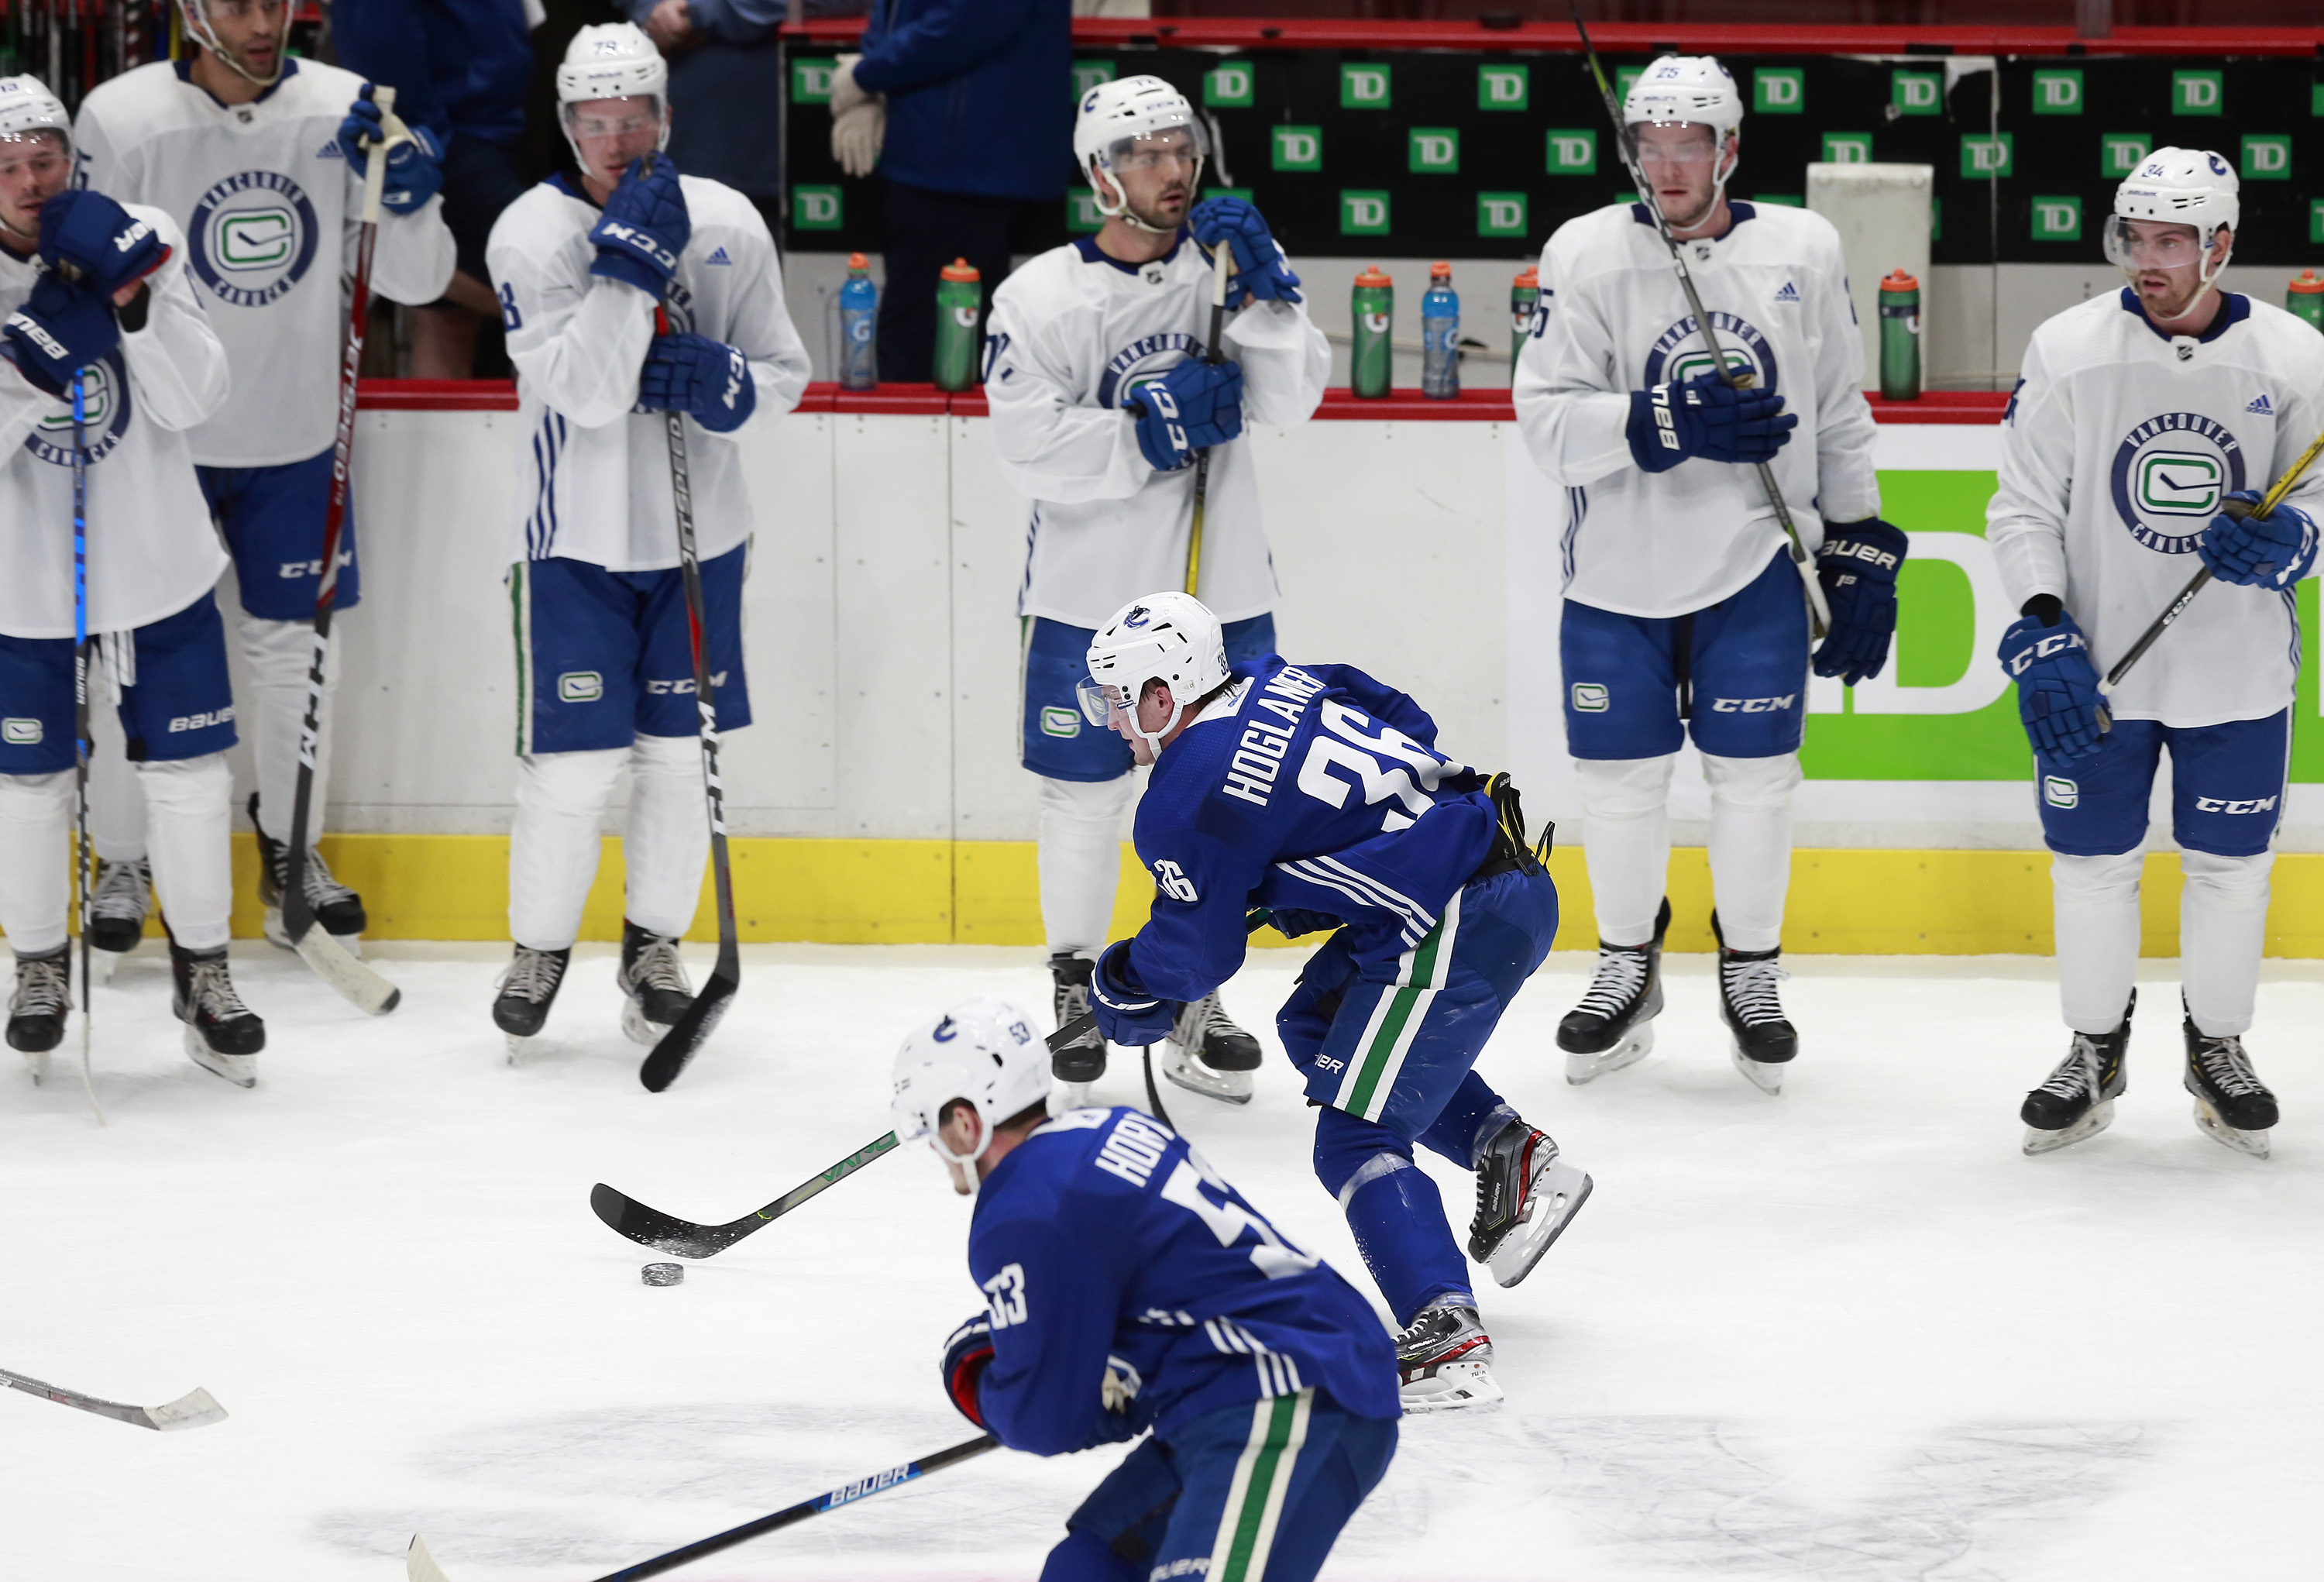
<point x="36" y="815"/>
<point x="278" y="652"/>
<point x="560" y="798"/>
<point x="1626" y="842"/>
<point x="2222" y="932"/>
<point x="189" y="819"/>
<point x="1750" y="845"/>
<point x="116" y="803"/>
<point x="1079" y="855"/>
<point x="666" y="841"/>
<point x="2096" y="917"/>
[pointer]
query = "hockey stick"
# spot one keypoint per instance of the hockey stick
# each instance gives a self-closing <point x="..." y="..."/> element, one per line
<point x="83" y="860"/>
<point x="666" y="1233"/>
<point x="419" y="1565"/>
<point x="332" y="962"/>
<point x="1221" y="270"/>
<point x="193" y="1409"/>
<point x="1819" y="608"/>
<point x="687" y="1034"/>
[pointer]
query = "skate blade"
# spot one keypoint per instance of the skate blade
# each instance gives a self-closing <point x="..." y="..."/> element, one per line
<point x="37" y="1062"/>
<point x="637" y="1027"/>
<point x="2095" y="1120"/>
<point x="1634" y="1046"/>
<point x="241" y="1070"/>
<point x="2254" y="1143"/>
<point x="519" y="1047"/>
<point x="1452" y="1387"/>
<point x="1227" y="1087"/>
<point x="101" y="964"/>
<point x="1558" y="1195"/>
<point x="1766" y="1076"/>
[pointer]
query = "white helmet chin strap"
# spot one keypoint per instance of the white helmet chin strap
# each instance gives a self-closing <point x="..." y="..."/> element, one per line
<point x="1119" y="208"/>
<point x="2204" y="272"/>
<point x="198" y="23"/>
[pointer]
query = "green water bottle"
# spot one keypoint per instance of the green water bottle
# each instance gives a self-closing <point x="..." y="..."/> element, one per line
<point x="2304" y="298"/>
<point x="1371" y="314"/>
<point x="1525" y="296"/>
<point x="959" y="294"/>
<point x="1900" y="337"/>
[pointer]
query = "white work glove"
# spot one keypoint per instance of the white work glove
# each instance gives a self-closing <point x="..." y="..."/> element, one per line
<point x="859" y="120"/>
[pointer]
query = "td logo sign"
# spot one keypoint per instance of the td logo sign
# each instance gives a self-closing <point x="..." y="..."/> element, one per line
<point x="1363" y="88"/>
<point x="1573" y="151"/>
<point x="1363" y="214"/>
<point x="816" y="209"/>
<point x="1503" y="87"/>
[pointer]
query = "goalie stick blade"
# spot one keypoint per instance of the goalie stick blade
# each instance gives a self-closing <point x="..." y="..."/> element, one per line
<point x="690" y="1031"/>
<point x="336" y="966"/>
<point x="419" y="1565"/>
<point x="194" y="1410"/>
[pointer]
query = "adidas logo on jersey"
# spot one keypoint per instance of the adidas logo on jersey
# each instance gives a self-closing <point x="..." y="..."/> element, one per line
<point x="718" y="255"/>
<point x="329" y="151"/>
<point x="1790" y="293"/>
<point x="2259" y="404"/>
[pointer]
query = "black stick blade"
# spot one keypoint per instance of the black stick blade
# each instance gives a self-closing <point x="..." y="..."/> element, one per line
<point x="664" y="1232"/>
<point x="688" y="1033"/>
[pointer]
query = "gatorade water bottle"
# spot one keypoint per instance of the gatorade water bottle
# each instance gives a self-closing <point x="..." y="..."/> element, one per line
<point x="1371" y="314"/>
<point x="1525" y="296"/>
<point x="958" y="296"/>
<point x="859" y="312"/>
<point x="2305" y="297"/>
<point x="1440" y="336"/>
<point x="1900" y="337"/>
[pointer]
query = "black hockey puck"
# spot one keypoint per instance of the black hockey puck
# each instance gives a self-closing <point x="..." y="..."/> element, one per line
<point x="662" y="1273"/>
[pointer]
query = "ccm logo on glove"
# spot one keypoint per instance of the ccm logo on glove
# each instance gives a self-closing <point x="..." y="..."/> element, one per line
<point x="2044" y="648"/>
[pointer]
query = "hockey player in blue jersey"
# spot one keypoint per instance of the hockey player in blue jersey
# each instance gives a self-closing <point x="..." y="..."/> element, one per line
<point x="1128" y="1288"/>
<point x="1316" y="792"/>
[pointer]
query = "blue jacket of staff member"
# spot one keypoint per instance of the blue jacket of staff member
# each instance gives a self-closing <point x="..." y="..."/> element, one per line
<point x="980" y="94"/>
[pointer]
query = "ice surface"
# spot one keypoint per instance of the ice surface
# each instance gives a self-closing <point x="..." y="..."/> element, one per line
<point x="1850" y="1333"/>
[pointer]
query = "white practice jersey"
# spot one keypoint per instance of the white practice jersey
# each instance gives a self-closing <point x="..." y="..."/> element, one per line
<point x="152" y="549"/>
<point x="1068" y="334"/>
<point x="593" y="474"/>
<point x="271" y="216"/>
<point x="2115" y="451"/>
<point x="1612" y="320"/>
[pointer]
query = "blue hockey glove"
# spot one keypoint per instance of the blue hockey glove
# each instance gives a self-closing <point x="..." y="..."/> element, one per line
<point x="708" y="379"/>
<point x="1259" y="268"/>
<point x="1192" y="407"/>
<point x="2057" y="685"/>
<point x="1126" y="1013"/>
<point x="109" y="245"/>
<point x="1708" y="417"/>
<point x="62" y="325"/>
<point x="414" y="173"/>
<point x="966" y="1354"/>
<point x="2259" y="551"/>
<point x="644" y="227"/>
<point x="1857" y="567"/>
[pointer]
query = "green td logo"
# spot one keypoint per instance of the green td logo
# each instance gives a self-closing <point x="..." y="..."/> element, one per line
<point x="1229" y="87"/>
<point x="1082" y="212"/>
<point x="1847" y="148"/>
<point x="1363" y="214"/>
<point x="811" y="81"/>
<point x="2058" y="93"/>
<point x="1917" y="93"/>
<point x="816" y="208"/>
<point x="1982" y="156"/>
<point x="1363" y="88"/>
<point x="1573" y="151"/>
<point x="1298" y="148"/>
<point x="2267" y="157"/>
<point x="1500" y="213"/>
<point x="2058" y="219"/>
<point x="2316" y="220"/>
<point x="1433" y="151"/>
<point x="2180" y="483"/>
<point x="1779" y="90"/>
<point x="2120" y="152"/>
<point x="2198" y="93"/>
<point x="1089" y="74"/>
<point x="1503" y="87"/>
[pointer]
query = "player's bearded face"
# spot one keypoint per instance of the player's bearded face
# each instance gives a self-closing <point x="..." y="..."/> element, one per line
<point x="34" y="167"/>
<point x="250" y="31"/>
<point x="1681" y="163"/>
<point x="1157" y="177"/>
<point x="2166" y="263"/>
<point x="613" y="132"/>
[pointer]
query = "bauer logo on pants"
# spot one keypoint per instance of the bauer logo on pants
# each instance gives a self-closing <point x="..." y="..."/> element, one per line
<point x="1588" y="697"/>
<point x="2169" y="474"/>
<point x="2061" y="792"/>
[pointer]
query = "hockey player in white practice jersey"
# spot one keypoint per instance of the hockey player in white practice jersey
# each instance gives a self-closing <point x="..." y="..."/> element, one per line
<point x="1100" y="401"/>
<point x="260" y="159"/>
<point x="604" y="665"/>
<point x="1684" y="614"/>
<point x="90" y="288"/>
<point x="2139" y="416"/>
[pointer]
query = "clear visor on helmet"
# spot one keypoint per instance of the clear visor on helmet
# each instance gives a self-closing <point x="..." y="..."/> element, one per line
<point x="1675" y="143"/>
<point x="1099" y="702"/>
<point x="2152" y="244"/>
<point x="620" y="117"/>
<point x="1183" y="146"/>
<point x="35" y="145"/>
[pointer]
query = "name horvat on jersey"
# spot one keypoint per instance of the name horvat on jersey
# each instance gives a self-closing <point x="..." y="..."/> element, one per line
<point x="1747" y="351"/>
<point x="1257" y="759"/>
<point x="2174" y="468"/>
<point x="259" y="223"/>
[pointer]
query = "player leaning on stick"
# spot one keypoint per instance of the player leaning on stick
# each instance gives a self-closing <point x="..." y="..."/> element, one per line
<point x="1100" y="399"/>
<point x="605" y="668"/>
<point x="87" y="285"/>
<point x="259" y="158"/>
<point x="1318" y="793"/>
<point x="2137" y="415"/>
<point x="1684" y="614"/>
<point x="1128" y="1288"/>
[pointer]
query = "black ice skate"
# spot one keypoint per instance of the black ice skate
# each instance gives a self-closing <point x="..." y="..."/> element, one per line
<point x="1525" y="1195"/>
<point x="2231" y="1102"/>
<point x="655" y="989"/>
<point x="1082" y="1062"/>
<point x="1207" y="1053"/>
<point x="527" y="988"/>
<point x="2078" y="1100"/>
<point x="1613" y="1027"/>
<point x="339" y="910"/>
<point x="1764" y="1042"/>
<point x="117" y="905"/>
<point x="222" y="1034"/>
<point x="1444" y="1359"/>
<point x="36" y="1011"/>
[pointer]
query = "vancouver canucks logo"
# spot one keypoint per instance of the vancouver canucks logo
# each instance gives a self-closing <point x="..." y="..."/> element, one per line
<point x="2169" y="475"/>
<point x="105" y="407"/>
<point x="1678" y="353"/>
<point x="252" y="237"/>
<point x="1148" y="356"/>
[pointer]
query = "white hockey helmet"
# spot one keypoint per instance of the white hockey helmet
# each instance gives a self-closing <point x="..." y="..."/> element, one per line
<point x="197" y="16"/>
<point x="1113" y="117"/>
<point x="27" y="109"/>
<point x="982" y="1051"/>
<point x="612" y="61"/>
<point x="1168" y="637"/>
<point x="1690" y="91"/>
<point x="2176" y="186"/>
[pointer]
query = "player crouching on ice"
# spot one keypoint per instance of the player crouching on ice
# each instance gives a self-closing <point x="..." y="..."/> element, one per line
<point x="1316" y="792"/>
<point x="98" y="292"/>
<point x="1128" y="1288"/>
<point x="2138" y="417"/>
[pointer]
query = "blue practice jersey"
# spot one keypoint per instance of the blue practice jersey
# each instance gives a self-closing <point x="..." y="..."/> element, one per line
<point x="1104" y="1243"/>
<point x="1311" y="788"/>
